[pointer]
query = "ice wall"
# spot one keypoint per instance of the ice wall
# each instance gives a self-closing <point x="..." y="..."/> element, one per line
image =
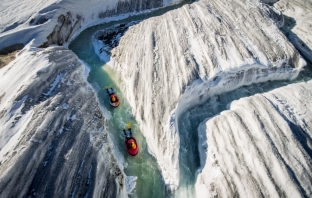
<point x="53" y="138"/>
<point x="298" y="25"/>
<point x="169" y="63"/>
<point x="56" y="22"/>
<point x="261" y="146"/>
<point x="269" y="1"/>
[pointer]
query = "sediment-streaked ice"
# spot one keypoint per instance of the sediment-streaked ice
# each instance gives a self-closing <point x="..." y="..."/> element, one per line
<point x="261" y="146"/>
<point x="298" y="24"/>
<point x="53" y="137"/>
<point x="170" y="63"/>
<point x="57" y="22"/>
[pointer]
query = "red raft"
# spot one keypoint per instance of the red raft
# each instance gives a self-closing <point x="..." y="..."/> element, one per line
<point x="114" y="100"/>
<point x="131" y="146"/>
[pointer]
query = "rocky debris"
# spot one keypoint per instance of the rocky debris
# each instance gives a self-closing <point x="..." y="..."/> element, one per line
<point x="67" y="25"/>
<point x="7" y="54"/>
<point x="109" y="38"/>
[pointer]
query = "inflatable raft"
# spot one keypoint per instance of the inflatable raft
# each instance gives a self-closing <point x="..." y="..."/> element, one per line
<point x="131" y="146"/>
<point x="113" y="98"/>
<point x="130" y="143"/>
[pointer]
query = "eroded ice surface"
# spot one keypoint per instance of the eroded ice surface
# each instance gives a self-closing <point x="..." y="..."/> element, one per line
<point x="168" y="63"/>
<point x="172" y="62"/>
<point x="53" y="137"/>
<point x="263" y="142"/>
<point x="298" y="24"/>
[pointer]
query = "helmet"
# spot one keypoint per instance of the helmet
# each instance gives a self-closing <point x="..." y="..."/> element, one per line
<point x="133" y="146"/>
<point x="113" y="98"/>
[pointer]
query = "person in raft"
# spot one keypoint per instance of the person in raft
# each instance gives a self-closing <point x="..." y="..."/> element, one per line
<point x="114" y="99"/>
<point x="130" y="142"/>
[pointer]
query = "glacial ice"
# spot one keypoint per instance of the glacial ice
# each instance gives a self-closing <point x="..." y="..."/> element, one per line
<point x="189" y="54"/>
<point x="46" y="145"/>
<point x="58" y="21"/>
<point x="170" y="63"/>
<point x="263" y="142"/>
<point x="298" y="24"/>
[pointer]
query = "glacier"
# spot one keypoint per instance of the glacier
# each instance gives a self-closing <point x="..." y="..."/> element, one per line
<point x="263" y="142"/>
<point x="53" y="126"/>
<point x="181" y="58"/>
<point x="53" y="130"/>
<point x="297" y="25"/>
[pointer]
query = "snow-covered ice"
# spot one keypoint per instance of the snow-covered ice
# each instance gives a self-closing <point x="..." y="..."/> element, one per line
<point x="298" y="24"/>
<point x="39" y="119"/>
<point x="59" y="21"/>
<point x="263" y="142"/>
<point x="175" y="61"/>
<point x="45" y="134"/>
<point x="53" y="136"/>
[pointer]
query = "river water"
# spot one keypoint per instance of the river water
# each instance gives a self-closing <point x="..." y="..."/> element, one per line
<point x="149" y="182"/>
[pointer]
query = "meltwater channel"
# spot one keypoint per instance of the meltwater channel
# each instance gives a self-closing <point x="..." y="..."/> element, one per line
<point x="188" y="124"/>
<point x="149" y="182"/>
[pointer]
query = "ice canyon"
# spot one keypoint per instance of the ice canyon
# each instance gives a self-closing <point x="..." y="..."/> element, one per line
<point x="173" y="61"/>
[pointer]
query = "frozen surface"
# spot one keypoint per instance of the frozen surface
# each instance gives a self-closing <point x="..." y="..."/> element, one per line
<point x="52" y="124"/>
<point x="46" y="125"/>
<point x="171" y="62"/>
<point x="52" y="127"/>
<point x="57" y="21"/>
<point x="263" y="142"/>
<point x="298" y="24"/>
